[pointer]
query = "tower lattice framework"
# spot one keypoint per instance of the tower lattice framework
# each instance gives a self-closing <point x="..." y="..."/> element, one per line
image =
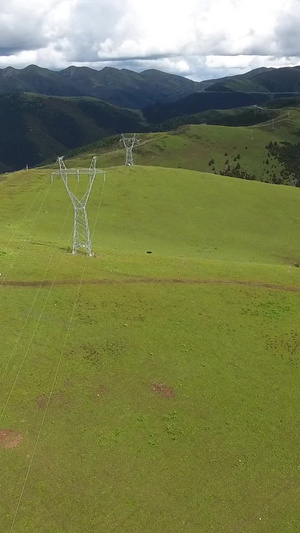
<point x="129" y="143"/>
<point x="81" y="232"/>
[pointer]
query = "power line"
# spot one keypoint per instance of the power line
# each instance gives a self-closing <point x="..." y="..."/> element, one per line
<point x="55" y="375"/>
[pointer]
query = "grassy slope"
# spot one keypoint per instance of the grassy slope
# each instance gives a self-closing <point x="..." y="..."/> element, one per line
<point x="193" y="146"/>
<point x="107" y="453"/>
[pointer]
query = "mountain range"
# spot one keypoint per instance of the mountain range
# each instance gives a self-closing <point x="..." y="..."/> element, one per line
<point x="123" y="88"/>
<point x="126" y="88"/>
<point x="45" y="113"/>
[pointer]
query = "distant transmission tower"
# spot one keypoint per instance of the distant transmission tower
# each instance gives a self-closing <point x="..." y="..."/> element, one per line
<point x="81" y="233"/>
<point x="129" y="143"/>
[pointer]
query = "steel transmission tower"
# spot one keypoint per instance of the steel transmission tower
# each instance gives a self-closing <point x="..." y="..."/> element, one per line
<point x="81" y="233"/>
<point x="129" y="143"/>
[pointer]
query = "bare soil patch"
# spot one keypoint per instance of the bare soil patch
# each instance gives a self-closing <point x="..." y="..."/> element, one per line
<point x="101" y="391"/>
<point x="163" y="390"/>
<point x="56" y="399"/>
<point x="154" y="281"/>
<point x="42" y="401"/>
<point x="10" y="439"/>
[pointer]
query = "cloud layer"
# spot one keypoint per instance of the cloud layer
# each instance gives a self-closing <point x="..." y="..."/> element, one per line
<point x="197" y="38"/>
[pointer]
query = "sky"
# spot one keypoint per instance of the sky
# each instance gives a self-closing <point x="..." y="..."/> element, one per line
<point x="198" y="39"/>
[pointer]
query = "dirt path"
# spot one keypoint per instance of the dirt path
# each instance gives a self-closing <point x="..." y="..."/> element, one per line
<point x="148" y="281"/>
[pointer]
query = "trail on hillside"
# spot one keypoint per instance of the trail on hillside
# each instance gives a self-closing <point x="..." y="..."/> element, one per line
<point x="147" y="281"/>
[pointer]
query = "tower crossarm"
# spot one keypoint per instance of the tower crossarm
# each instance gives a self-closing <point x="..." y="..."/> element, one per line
<point x="129" y="142"/>
<point x="64" y="173"/>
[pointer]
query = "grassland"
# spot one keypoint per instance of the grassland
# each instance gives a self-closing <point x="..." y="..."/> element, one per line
<point x="152" y="391"/>
<point x="193" y="147"/>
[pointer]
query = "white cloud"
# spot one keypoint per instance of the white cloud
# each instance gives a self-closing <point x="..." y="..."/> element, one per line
<point x="196" y="38"/>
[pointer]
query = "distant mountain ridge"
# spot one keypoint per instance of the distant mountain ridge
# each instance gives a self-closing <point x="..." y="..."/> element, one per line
<point x="123" y="88"/>
<point x="126" y="88"/>
<point x="265" y="80"/>
<point x="252" y="73"/>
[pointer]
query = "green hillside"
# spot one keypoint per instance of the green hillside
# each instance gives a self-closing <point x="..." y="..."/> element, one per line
<point x="39" y="127"/>
<point x="219" y="149"/>
<point x="150" y="391"/>
<point x="182" y="202"/>
<point x="240" y="116"/>
<point x="209" y="105"/>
